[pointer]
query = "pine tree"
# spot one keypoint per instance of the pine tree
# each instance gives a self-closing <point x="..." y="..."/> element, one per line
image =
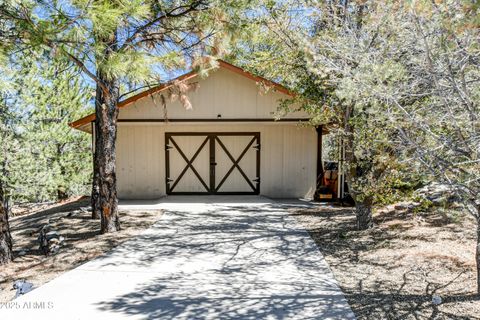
<point x="41" y="158"/>
<point x="57" y="162"/>
<point x="119" y="43"/>
<point x="7" y="148"/>
<point x="6" y="254"/>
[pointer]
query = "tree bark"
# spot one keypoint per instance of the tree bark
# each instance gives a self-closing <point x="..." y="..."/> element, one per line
<point x="363" y="206"/>
<point x="104" y="184"/>
<point x="95" y="190"/>
<point x="104" y="193"/>
<point x="61" y="189"/>
<point x="6" y="253"/>
<point x="363" y="212"/>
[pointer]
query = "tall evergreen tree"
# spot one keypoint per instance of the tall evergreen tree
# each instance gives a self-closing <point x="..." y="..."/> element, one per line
<point x="7" y="148"/>
<point x="119" y="42"/>
<point x="40" y="156"/>
<point x="6" y="254"/>
<point x="57" y="160"/>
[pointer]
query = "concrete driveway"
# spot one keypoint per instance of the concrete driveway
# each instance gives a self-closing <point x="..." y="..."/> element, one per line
<point x="206" y="258"/>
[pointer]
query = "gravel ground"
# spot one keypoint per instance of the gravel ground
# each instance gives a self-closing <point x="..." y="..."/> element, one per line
<point x="395" y="269"/>
<point x="83" y="241"/>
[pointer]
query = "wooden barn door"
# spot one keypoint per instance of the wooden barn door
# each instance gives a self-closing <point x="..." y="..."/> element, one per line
<point x="212" y="163"/>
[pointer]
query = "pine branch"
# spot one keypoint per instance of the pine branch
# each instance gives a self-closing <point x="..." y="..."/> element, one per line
<point x="84" y="68"/>
<point x="52" y="44"/>
<point x="190" y="8"/>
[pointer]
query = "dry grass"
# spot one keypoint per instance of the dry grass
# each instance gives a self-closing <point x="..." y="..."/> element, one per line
<point x="393" y="270"/>
<point x="83" y="241"/>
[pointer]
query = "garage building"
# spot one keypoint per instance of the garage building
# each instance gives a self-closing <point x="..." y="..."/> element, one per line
<point x="231" y="141"/>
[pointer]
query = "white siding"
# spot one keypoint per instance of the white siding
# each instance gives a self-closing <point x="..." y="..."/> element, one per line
<point x="287" y="161"/>
<point x="223" y="92"/>
<point x="140" y="162"/>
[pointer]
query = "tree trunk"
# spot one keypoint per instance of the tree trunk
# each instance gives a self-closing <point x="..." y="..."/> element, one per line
<point x="61" y="194"/>
<point x="61" y="188"/>
<point x="6" y="254"/>
<point x="104" y="184"/>
<point x="95" y="191"/>
<point x="104" y="193"/>
<point x="363" y="205"/>
<point x="363" y="211"/>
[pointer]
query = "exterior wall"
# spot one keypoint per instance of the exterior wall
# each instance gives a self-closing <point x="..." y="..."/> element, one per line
<point x="224" y="93"/>
<point x="287" y="163"/>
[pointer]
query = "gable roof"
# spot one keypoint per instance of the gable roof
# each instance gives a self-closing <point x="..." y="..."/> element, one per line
<point x="187" y="76"/>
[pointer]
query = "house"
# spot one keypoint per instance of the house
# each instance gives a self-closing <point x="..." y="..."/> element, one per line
<point x="228" y="143"/>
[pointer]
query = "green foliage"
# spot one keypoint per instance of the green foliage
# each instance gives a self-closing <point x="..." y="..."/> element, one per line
<point x="425" y="205"/>
<point x="43" y="157"/>
<point x="397" y="81"/>
<point x="117" y="45"/>
<point x="305" y="47"/>
<point x="398" y="184"/>
<point x="133" y="42"/>
<point x="429" y="89"/>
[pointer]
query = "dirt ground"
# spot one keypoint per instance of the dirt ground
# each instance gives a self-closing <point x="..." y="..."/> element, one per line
<point x="394" y="270"/>
<point x="83" y="241"/>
